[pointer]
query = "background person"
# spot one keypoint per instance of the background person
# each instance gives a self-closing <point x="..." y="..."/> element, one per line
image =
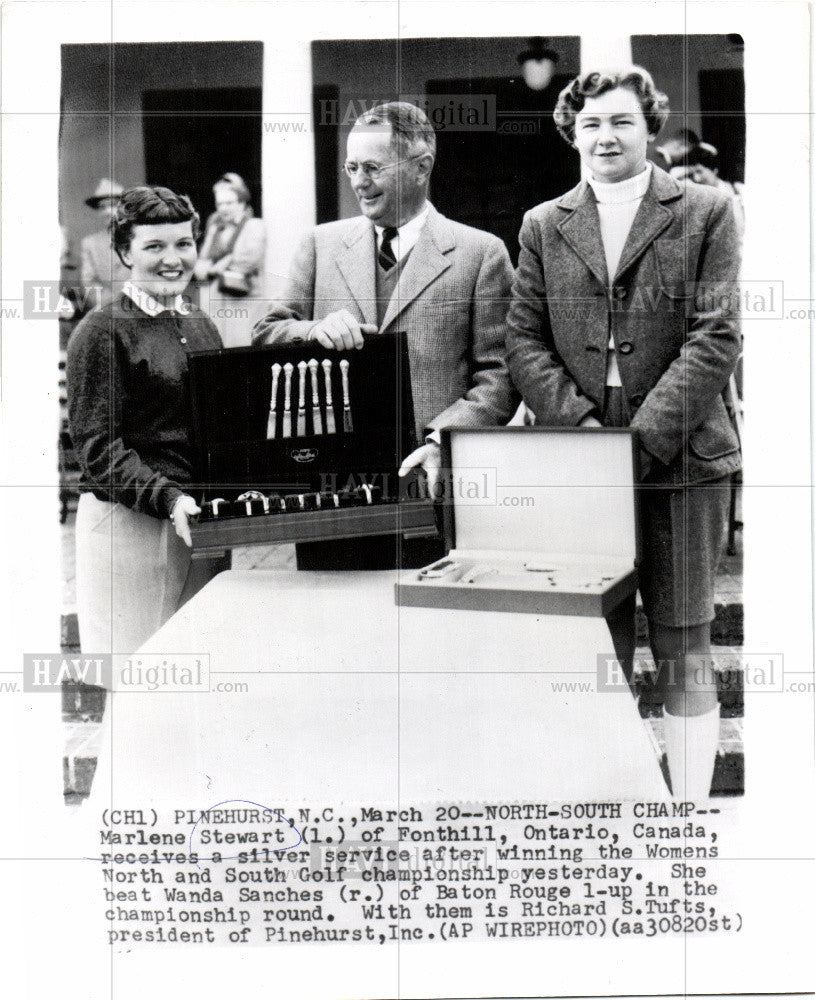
<point x="405" y="267"/>
<point x="231" y="259"/>
<point x="702" y="167"/>
<point x="103" y="274"/>
<point x="673" y="150"/>
<point x="127" y="401"/>
<point x="630" y="234"/>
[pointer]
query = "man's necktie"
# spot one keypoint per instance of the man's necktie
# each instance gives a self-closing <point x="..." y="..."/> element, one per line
<point x="386" y="257"/>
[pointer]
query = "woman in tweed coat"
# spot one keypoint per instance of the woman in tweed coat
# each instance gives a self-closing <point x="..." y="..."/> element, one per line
<point x="623" y="314"/>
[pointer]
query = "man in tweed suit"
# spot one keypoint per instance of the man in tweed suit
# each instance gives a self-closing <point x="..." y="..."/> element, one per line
<point x="403" y="266"/>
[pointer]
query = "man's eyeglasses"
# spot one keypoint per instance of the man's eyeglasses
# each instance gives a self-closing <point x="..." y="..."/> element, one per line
<point x="371" y="169"/>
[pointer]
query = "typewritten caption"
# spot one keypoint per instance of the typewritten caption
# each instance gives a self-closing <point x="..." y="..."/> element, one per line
<point x="244" y="873"/>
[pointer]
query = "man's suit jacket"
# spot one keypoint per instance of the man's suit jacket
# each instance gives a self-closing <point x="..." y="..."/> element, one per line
<point x="451" y="301"/>
<point x="671" y="309"/>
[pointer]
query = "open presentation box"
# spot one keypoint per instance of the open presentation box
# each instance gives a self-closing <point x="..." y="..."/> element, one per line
<point x="539" y="520"/>
<point x="297" y="443"/>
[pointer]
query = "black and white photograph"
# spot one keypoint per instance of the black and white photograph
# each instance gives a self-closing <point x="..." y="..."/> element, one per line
<point x="408" y="493"/>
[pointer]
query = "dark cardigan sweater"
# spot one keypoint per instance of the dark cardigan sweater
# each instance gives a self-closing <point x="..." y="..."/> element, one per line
<point x="128" y="402"/>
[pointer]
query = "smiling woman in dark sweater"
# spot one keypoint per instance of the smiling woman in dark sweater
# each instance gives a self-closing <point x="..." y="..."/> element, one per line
<point x="127" y="401"/>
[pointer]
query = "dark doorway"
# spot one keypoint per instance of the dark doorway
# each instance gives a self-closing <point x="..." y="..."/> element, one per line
<point x="721" y="99"/>
<point x="193" y="136"/>
<point x="490" y="179"/>
<point x="326" y="152"/>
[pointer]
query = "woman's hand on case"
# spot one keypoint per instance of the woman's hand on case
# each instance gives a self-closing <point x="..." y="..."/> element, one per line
<point x="183" y="510"/>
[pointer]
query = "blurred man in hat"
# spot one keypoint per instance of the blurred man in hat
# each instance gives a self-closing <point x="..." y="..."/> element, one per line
<point x="673" y="150"/>
<point x="102" y="271"/>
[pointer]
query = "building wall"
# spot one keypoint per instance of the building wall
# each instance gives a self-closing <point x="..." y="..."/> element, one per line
<point x="370" y="69"/>
<point x="101" y="131"/>
<point x="100" y="79"/>
<point x="675" y="60"/>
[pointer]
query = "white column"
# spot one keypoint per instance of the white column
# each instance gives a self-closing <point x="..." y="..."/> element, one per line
<point x="604" y="51"/>
<point x="287" y="151"/>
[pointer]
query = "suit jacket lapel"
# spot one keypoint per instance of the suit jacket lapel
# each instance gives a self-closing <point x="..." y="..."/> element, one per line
<point x="357" y="264"/>
<point x="581" y="230"/>
<point x="426" y="262"/>
<point x="651" y="219"/>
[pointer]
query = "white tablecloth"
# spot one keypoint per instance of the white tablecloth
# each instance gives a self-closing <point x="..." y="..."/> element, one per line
<point x="353" y="699"/>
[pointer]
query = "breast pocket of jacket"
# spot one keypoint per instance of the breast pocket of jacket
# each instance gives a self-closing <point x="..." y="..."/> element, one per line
<point x="438" y="324"/>
<point x="445" y="310"/>
<point x="678" y="265"/>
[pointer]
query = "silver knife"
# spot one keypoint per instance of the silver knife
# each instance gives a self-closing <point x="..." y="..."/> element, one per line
<point x="288" y="369"/>
<point x="271" y="426"/>
<point x="302" y="368"/>
<point x="316" y="416"/>
<point x="347" y="422"/>
<point x="330" y="423"/>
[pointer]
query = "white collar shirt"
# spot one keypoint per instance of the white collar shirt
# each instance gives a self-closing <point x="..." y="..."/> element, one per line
<point x="151" y="305"/>
<point x="408" y="234"/>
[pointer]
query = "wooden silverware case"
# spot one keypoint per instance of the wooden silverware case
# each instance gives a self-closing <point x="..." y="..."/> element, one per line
<point x="315" y="482"/>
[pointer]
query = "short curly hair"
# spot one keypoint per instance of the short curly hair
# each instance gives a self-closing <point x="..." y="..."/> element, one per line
<point x="149" y="206"/>
<point x="653" y="102"/>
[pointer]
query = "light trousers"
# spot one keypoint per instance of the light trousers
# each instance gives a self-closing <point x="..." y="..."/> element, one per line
<point x="132" y="574"/>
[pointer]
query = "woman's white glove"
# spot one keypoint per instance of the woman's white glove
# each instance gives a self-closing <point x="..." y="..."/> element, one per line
<point x="182" y="511"/>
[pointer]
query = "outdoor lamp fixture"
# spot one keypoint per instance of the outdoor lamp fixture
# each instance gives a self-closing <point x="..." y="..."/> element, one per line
<point x="538" y="64"/>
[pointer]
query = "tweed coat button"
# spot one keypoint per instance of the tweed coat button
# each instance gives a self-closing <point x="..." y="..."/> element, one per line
<point x="620" y="292"/>
<point x="637" y="399"/>
<point x="626" y="347"/>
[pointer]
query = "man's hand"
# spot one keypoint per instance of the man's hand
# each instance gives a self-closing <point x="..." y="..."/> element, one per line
<point x="340" y="331"/>
<point x="428" y="457"/>
<point x="182" y="511"/>
<point x="589" y="421"/>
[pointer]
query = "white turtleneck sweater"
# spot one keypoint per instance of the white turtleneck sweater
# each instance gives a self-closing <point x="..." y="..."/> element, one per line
<point x="617" y="205"/>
